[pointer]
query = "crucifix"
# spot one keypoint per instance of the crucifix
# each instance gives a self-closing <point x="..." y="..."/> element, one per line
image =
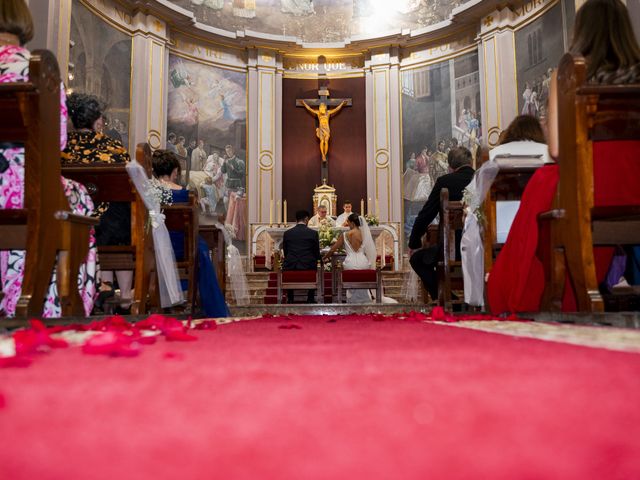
<point x="323" y="113"/>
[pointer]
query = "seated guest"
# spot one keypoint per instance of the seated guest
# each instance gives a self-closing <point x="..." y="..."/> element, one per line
<point x="424" y="260"/>
<point x="342" y="220"/>
<point x="16" y="29"/>
<point x="321" y="218"/>
<point x="301" y="246"/>
<point x="516" y="283"/>
<point x="166" y="169"/>
<point x="523" y="136"/>
<point x="87" y="145"/>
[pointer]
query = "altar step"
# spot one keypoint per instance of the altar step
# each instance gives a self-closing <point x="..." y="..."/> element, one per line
<point x="262" y="287"/>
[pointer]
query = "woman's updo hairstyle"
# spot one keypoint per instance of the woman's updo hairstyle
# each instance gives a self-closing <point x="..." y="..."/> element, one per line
<point x="354" y="218"/>
<point x="84" y="110"/>
<point x="164" y="163"/>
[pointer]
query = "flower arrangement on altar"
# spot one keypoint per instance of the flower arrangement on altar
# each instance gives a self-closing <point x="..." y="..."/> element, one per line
<point x="372" y="220"/>
<point x="328" y="235"/>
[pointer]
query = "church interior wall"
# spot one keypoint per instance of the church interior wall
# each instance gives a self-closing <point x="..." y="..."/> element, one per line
<point x="348" y="154"/>
<point x="539" y="45"/>
<point x="126" y="56"/>
<point x="100" y="64"/>
<point x="440" y="102"/>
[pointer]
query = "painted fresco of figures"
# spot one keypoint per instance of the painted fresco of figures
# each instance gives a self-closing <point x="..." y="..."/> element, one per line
<point x="434" y="121"/>
<point x="318" y="20"/>
<point x="207" y="106"/>
<point x="297" y="7"/>
<point x="539" y="46"/>
<point x="100" y="65"/>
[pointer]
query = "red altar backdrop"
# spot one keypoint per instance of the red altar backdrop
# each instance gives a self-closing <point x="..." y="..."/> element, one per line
<point x="300" y="148"/>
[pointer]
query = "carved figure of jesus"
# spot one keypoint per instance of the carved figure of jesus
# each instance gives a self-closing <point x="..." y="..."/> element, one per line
<point x="323" y="132"/>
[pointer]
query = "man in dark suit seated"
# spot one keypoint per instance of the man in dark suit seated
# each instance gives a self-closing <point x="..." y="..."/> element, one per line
<point x="301" y="247"/>
<point x="425" y="260"/>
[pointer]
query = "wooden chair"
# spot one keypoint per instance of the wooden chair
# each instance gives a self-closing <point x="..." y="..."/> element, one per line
<point x="111" y="183"/>
<point x="359" y="279"/>
<point x="449" y="268"/>
<point x="44" y="227"/>
<point x="508" y="185"/>
<point x="300" y="280"/>
<point x="184" y="218"/>
<point x="587" y="114"/>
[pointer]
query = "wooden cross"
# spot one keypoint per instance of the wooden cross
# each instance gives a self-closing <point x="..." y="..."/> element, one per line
<point x="323" y="93"/>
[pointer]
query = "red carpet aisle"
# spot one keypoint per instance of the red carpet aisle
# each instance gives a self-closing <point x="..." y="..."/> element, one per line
<point x="346" y="399"/>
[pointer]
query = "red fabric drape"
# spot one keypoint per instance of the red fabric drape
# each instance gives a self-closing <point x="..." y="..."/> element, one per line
<point x="517" y="282"/>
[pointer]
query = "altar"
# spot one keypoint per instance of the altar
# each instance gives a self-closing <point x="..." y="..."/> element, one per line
<point x="267" y="239"/>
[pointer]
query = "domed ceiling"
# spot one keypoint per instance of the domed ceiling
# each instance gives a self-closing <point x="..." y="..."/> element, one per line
<point x="321" y="21"/>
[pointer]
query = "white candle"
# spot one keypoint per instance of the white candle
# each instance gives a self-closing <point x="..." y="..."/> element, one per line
<point x="362" y="207"/>
<point x="384" y="252"/>
<point x="369" y="206"/>
<point x="279" y="212"/>
<point x="271" y="212"/>
<point x="285" y="212"/>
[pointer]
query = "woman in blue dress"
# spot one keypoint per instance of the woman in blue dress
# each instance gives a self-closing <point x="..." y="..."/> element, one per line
<point x="166" y="170"/>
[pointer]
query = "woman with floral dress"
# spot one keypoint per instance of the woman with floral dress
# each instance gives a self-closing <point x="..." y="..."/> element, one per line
<point x="14" y="67"/>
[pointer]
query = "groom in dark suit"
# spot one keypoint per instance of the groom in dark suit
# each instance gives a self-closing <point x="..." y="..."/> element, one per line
<point x="301" y="247"/>
<point x="424" y="260"/>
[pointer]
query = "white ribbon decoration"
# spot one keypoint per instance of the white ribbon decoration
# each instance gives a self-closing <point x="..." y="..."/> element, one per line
<point x="168" y="279"/>
<point x="471" y="245"/>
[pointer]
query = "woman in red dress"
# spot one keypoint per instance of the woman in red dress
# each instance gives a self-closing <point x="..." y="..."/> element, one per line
<point x="604" y="36"/>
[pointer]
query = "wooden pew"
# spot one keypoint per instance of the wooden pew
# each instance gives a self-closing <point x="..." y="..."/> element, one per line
<point x="45" y="226"/>
<point x="449" y="268"/>
<point x="184" y="218"/>
<point x="111" y="183"/>
<point x="508" y="185"/>
<point x="587" y="114"/>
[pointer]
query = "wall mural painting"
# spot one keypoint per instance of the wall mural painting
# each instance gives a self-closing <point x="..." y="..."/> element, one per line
<point x="207" y="127"/>
<point x="539" y="47"/>
<point x="100" y="64"/>
<point x="319" y="20"/>
<point x="440" y="110"/>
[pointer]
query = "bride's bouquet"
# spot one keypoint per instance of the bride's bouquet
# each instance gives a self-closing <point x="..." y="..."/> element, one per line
<point x="328" y="235"/>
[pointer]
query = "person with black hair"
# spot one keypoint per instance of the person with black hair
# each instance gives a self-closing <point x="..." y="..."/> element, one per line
<point x="87" y="145"/>
<point x="301" y="246"/>
<point x="166" y="170"/>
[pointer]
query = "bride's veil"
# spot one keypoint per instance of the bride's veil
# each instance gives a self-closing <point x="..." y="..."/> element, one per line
<point x="367" y="242"/>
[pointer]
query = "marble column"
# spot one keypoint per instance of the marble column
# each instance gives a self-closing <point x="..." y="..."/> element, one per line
<point x="499" y="95"/>
<point x="149" y="82"/>
<point x="383" y="133"/>
<point x="265" y="134"/>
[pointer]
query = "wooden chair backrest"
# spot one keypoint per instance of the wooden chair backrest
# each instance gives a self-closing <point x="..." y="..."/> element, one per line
<point x="111" y="183"/>
<point x="509" y="184"/>
<point x="183" y="217"/>
<point x="588" y="113"/>
<point x="31" y="117"/>
<point x="451" y="220"/>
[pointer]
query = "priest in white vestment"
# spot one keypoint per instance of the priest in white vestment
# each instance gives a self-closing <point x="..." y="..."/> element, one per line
<point x="321" y="218"/>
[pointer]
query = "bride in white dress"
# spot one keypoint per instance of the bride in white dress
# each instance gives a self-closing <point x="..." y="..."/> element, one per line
<point x="361" y="255"/>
